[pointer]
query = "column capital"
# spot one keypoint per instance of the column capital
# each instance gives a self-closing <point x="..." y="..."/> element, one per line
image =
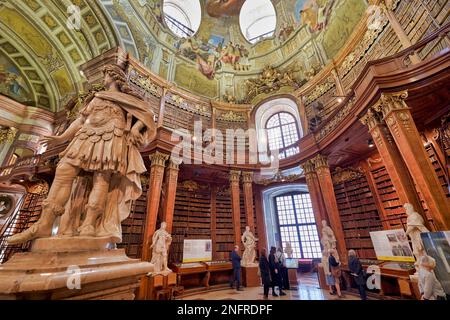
<point x="320" y="161"/>
<point x="174" y="163"/>
<point x="247" y="177"/>
<point x="390" y="102"/>
<point x="308" y="167"/>
<point x="234" y="176"/>
<point x="158" y="159"/>
<point x="371" y="119"/>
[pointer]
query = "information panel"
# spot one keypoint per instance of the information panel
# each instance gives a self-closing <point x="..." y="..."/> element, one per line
<point x="392" y="245"/>
<point x="195" y="250"/>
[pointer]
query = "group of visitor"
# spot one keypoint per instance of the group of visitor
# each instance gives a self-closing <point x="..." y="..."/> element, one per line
<point x="273" y="272"/>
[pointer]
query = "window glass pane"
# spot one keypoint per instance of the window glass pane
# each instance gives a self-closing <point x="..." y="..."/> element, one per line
<point x="290" y="234"/>
<point x="282" y="132"/>
<point x="298" y="225"/>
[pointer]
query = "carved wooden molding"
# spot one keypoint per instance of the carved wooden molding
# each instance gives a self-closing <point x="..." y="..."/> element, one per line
<point x="341" y="175"/>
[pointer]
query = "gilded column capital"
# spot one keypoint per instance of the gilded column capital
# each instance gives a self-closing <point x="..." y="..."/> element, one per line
<point x="371" y="119"/>
<point x="234" y="176"/>
<point x="308" y="167"/>
<point x="320" y="161"/>
<point x="158" y="159"/>
<point x="389" y="102"/>
<point x="247" y="177"/>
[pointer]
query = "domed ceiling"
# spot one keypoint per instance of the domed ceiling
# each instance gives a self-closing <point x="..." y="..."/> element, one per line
<point x="217" y="61"/>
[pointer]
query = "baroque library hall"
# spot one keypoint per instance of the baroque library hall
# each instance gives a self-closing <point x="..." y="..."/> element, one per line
<point x="189" y="150"/>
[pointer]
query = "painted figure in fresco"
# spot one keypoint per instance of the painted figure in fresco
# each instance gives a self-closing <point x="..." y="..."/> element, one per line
<point x="314" y="13"/>
<point x="161" y="241"/>
<point x="105" y="141"/>
<point x="223" y="8"/>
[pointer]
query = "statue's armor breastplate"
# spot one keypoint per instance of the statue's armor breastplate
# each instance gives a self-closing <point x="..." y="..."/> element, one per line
<point x="104" y="113"/>
<point x="103" y="120"/>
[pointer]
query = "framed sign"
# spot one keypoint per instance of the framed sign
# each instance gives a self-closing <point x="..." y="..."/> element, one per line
<point x="195" y="250"/>
<point x="392" y="245"/>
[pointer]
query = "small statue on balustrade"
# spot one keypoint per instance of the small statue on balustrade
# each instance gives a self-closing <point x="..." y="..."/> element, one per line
<point x="104" y="146"/>
<point x="249" y="255"/>
<point x="414" y="227"/>
<point x="161" y="241"/>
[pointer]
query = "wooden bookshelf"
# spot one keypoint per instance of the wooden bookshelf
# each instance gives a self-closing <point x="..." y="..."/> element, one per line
<point x="192" y="218"/>
<point x="133" y="227"/>
<point x="396" y="216"/>
<point x="359" y="215"/>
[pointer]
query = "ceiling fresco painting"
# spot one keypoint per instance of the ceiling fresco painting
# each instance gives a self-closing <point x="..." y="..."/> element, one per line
<point x="221" y="8"/>
<point x="215" y="62"/>
<point x="12" y="82"/>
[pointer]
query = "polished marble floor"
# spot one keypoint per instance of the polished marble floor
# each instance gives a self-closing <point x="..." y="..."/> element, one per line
<point x="308" y="289"/>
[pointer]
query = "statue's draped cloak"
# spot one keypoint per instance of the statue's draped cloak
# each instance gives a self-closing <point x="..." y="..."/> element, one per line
<point x="124" y="188"/>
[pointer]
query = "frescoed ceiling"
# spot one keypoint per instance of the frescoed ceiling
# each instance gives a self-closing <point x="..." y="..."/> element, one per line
<point x="40" y="48"/>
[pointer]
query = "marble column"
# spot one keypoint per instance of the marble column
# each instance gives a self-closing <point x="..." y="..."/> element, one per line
<point x="393" y="161"/>
<point x="235" y="205"/>
<point x="247" y="181"/>
<point x="326" y="186"/>
<point x="158" y="161"/>
<point x="399" y="120"/>
<point x="171" y="181"/>
<point x="315" y="193"/>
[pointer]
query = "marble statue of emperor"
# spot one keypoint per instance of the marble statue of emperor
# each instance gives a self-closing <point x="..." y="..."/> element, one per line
<point x="105" y="141"/>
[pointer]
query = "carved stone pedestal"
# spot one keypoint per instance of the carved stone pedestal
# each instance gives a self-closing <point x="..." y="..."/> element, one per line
<point x="250" y="277"/>
<point x="71" y="268"/>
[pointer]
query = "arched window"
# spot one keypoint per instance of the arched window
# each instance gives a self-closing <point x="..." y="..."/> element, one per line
<point x="297" y="225"/>
<point x="182" y="17"/>
<point x="282" y="134"/>
<point x="257" y="20"/>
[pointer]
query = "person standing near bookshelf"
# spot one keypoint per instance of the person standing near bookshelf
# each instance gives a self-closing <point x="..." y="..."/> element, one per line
<point x="236" y="262"/>
<point x="357" y="272"/>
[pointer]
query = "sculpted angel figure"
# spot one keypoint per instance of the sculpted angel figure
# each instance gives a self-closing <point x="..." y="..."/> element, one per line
<point x="249" y="241"/>
<point x="104" y="144"/>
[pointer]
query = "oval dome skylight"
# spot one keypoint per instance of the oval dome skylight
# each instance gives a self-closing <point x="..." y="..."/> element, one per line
<point x="257" y="20"/>
<point x="183" y="17"/>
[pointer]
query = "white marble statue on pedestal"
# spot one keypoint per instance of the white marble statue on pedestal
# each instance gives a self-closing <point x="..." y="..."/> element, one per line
<point x="249" y="255"/>
<point x="328" y="239"/>
<point x="161" y="241"/>
<point x="414" y="227"/>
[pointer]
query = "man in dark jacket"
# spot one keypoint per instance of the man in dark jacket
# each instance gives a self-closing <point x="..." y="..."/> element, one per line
<point x="264" y="270"/>
<point x="236" y="262"/>
<point x="357" y="272"/>
<point x="275" y="272"/>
